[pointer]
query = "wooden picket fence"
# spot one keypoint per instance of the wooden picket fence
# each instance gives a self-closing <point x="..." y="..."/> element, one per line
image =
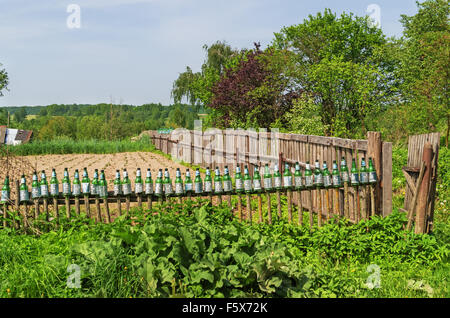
<point x="15" y="210"/>
<point x="231" y="147"/>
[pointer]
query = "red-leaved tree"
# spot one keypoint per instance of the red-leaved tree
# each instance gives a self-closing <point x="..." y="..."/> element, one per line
<point x="251" y="94"/>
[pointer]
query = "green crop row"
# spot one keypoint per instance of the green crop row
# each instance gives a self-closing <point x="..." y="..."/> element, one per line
<point x="70" y="146"/>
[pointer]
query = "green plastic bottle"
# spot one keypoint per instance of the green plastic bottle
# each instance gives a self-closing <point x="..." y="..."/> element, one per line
<point x="227" y="183"/>
<point x="267" y="178"/>
<point x="102" y="185"/>
<point x="24" y="195"/>
<point x="318" y="176"/>
<point x="309" y="181"/>
<point x="126" y="183"/>
<point x="138" y="184"/>
<point x="44" y="185"/>
<point x="6" y="191"/>
<point x="208" y="181"/>
<point x="354" y="177"/>
<point x="327" y="182"/>
<point x="336" y="177"/>
<point x="256" y="180"/>
<point x="218" y="186"/>
<point x="345" y="177"/>
<point x="85" y="183"/>
<point x="363" y="173"/>
<point x="168" y="188"/>
<point x="198" y="184"/>
<point x="148" y="183"/>
<point x="117" y="184"/>
<point x="277" y="177"/>
<point x="287" y="177"/>
<point x="238" y="180"/>
<point x="298" y="177"/>
<point x="159" y="184"/>
<point x="94" y="185"/>
<point x="35" y="188"/>
<point x="247" y="181"/>
<point x="76" y="184"/>
<point x="54" y="184"/>
<point x="66" y="183"/>
<point x="372" y="173"/>
<point x="179" y="191"/>
<point x="188" y="184"/>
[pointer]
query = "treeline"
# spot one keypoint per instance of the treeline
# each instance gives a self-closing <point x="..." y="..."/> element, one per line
<point x="101" y="121"/>
<point x="332" y="75"/>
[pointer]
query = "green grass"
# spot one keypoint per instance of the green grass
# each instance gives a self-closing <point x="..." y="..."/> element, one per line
<point x="195" y="250"/>
<point x="69" y="146"/>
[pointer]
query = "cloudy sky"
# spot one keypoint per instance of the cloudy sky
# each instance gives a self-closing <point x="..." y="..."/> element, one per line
<point x="133" y="50"/>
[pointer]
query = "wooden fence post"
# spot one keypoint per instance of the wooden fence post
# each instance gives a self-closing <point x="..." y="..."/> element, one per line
<point x="386" y="179"/>
<point x="374" y="151"/>
<point x="421" y="215"/>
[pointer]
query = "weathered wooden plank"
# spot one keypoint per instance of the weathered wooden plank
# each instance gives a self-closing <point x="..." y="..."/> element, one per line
<point x="387" y="178"/>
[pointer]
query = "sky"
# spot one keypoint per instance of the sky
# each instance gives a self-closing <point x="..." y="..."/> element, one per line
<point x="131" y="51"/>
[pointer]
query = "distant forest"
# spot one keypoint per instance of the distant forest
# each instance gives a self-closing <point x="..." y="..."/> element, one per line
<point x="102" y="121"/>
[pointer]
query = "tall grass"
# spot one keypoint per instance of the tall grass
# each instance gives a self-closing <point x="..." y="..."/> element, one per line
<point x="70" y="146"/>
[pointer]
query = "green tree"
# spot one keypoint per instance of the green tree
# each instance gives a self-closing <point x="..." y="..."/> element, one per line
<point x="333" y="59"/>
<point x="58" y="126"/>
<point x="4" y="80"/>
<point x="20" y="115"/>
<point x="196" y="87"/>
<point x="425" y="65"/>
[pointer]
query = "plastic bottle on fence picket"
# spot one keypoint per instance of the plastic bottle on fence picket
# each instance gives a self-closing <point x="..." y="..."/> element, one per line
<point x="318" y="177"/>
<point x="35" y="188"/>
<point x="247" y="181"/>
<point x="85" y="183"/>
<point x="363" y="173"/>
<point x="277" y="177"/>
<point x="126" y="183"/>
<point x="168" y="188"/>
<point x="148" y="183"/>
<point x="345" y="177"/>
<point x="198" y="184"/>
<point x="179" y="191"/>
<point x="159" y="184"/>
<point x="43" y="185"/>
<point x="24" y="195"/>
<point x="117" y="184"/>
<point x="287" y="177"/>
<point x="94" y="184"/>
<point x="327" y="183"/>
<point x="54" y="184"/>
<point x="6" y="191"/>
<point x="188" y="185"/>
<point x="76" y="190"/>
<point x="208" y="181"/>
<point x="309" y="181"/>
<point x="354" y="175"/>
<point x="102" y="185"/>
<point x="66" y="183"/>
<point x="227" y="183"/>
<point x="256" y="180"/>
<point x="336" y="177"/>
<point x="238" y="181"/>
<point x="267" y="179"/>
<point x="138" y="184"/>
<point x="218" y="186"/>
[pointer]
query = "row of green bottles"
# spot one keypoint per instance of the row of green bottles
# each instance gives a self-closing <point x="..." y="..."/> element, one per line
<point x="320" y="178"/>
